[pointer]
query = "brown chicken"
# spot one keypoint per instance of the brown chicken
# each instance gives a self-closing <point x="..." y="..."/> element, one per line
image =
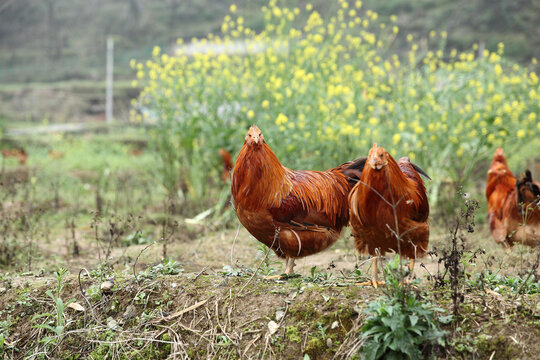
<point x="227" y="164"/>
<point x="20" y="154"/>
<point x="295" y="213"/>
<point x="389" y="203"/>
<point x="513" y="205"/>
<point x="501" y="183"/>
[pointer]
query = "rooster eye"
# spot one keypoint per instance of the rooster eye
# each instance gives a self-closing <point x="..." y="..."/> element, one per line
<point x="260" y="134"/>
<point x="249" y="135"/>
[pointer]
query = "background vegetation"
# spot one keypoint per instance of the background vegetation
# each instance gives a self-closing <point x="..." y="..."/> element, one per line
<point x="57" y="40"/>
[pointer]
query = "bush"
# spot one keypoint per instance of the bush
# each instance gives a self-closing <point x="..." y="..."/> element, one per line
<point x="400" y="326"/>
<point x="323" y="90"/>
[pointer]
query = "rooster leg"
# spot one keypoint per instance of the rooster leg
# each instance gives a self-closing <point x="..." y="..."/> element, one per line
<point x="289" y="270"/>
<point x="410" y="275"/>
<point x="411" y="267"/>
<point x="289" y="265"/>
<point x="374" y="275"/>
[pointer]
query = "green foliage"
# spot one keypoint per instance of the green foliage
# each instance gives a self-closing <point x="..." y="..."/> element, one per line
<point x="55" y="323"/>
<point x="268" y="262"/>
<point x="136" y="238"/>
<point x="401" y="325"/>
<point x="168" y="266"/>
<point x="505" y="283"/>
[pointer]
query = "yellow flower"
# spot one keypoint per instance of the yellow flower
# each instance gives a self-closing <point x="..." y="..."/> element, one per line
<point x="265" y="104"/>
<point x="281" y="119"/>
<point x="233" y="8"/>
<point x="521" y="133"/>
<point x="250" y="114"/>
<point x="498" y="70"/>
<point x="396" y="138"/>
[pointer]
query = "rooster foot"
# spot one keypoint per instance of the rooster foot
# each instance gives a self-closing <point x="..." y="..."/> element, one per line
<point x="281" y="277"/>
<point x="375" y="284"/>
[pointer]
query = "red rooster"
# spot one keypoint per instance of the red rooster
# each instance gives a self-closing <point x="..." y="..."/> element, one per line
<point x="513" y="205"/>
<point x="295" y="213"/>
<point x="500" y="184"/>
<point x="227" y="164"/>
<point x="20" y="154"/>
<point x="389" y="203"/>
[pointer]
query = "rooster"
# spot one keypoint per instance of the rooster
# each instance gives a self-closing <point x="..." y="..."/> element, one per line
<point x="389" y="203"/>
<point x="295" y="213"/>
<point x="20" y="154"/>
<point x="513" y="205"/>
<point x="501" y="183"/>
<point x="227" y="164"/>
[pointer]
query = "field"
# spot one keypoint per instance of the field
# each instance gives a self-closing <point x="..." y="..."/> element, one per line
<point x="120" y="242"/>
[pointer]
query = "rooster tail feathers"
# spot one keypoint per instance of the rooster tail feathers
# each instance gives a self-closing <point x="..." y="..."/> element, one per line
<point x="420" y="171"/>
<point x="353" y="170"/>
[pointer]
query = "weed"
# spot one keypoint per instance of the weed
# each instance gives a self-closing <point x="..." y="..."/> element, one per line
<point x="166" y="267"/>
<point x="457" y="256"/>
<point x="401" y="325"/>
<point x="58" y="319"/>
<point x="136" y="238"/>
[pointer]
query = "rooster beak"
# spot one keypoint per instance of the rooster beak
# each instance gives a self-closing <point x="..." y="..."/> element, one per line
<point x="490" y="171"/>
<point x="255" y="139"/>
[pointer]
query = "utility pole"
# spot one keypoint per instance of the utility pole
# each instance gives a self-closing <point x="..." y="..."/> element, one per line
<point x="109" y="89"/>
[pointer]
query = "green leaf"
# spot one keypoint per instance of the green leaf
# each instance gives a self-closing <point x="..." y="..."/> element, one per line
<point x="413" y="319"/>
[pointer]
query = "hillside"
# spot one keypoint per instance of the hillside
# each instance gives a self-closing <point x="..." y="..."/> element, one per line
<point x="58" y="40"/>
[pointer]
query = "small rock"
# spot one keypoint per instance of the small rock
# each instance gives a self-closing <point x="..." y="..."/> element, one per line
<point x="130" y="312"/>
<point x="272" y="327"/>
<point x="279" y="315"/>
<point x="76" y="306"/>
<point x="112" y="324"/>
<point x="334" y="325"/>
<point x="329" y="343"/>
<point x="106" y="286"/>
<point x="2" y="290"/>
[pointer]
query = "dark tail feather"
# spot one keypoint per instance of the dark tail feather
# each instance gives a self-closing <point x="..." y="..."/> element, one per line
<point x="420" y="171"/>
<point x="527" y="191"/>
<point x="354" y="170"/>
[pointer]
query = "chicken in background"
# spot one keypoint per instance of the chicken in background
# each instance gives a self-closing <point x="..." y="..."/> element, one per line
<point x="501" y="183"/>
<point x="295" y="213"/>
<point x="55" y="154"/>
<point x="513" y="205"/>
<point x="227" y="164"/>
<point x="389" y="203"/>
<point x="20" y="154"/>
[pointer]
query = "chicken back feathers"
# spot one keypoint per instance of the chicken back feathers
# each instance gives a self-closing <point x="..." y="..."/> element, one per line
<point x="226" y="158"/>
<point x="385" y="182"/>
<point x="501" y="184"/>
<point x="513" y="204"/>
<point x="296" y="213"/>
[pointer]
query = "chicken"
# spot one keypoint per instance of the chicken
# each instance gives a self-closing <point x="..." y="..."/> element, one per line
<point x="513" y="205"/>
<point x="227" y="164"/>
<point x="389" y="203"/>
<point x="20" y="154"/>
<point x="501" y="183"/>
<point x="295" y="213"/>
<point x="55" y="154"/>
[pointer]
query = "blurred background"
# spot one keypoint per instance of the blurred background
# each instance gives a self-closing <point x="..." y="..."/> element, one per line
<point x="53" y="53"/>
